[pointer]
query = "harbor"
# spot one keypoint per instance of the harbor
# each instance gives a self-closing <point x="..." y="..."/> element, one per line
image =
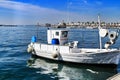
<point x="16" y="62"/>
<point x="89" y="24"/>
<point x="59" y="40"/>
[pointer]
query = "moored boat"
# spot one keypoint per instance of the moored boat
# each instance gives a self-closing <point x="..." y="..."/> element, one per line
<point x="59" y="49"/>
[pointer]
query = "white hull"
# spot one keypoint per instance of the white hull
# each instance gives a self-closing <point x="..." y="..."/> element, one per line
<point x="76" y="55"/>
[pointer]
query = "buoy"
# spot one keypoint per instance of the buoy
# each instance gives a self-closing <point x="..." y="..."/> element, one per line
<point x="113" y="35"/>
<point x="30" y="48"/>
<point x="103" y="32"/>
<point x="55" y="54"/>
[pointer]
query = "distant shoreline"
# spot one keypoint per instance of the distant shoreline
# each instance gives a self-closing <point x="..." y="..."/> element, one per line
<point x="53" y="26"/>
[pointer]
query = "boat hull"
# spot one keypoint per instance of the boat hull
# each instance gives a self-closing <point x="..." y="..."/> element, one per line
<point x="110" y="58"/>
<point x="75" y="63"/>
<point x="65" y="54"/>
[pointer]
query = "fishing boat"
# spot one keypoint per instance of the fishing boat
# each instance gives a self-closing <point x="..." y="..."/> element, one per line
<point x="59" y="49"/>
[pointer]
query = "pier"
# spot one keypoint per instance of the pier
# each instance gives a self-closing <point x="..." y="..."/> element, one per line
<point x="115" y="77"/>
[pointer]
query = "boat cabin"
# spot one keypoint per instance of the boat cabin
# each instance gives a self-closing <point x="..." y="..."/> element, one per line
<point x="59" y="37"/>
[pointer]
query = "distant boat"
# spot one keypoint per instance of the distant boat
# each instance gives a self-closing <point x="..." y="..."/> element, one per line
<point x="1" y="25"/>
<point x="59" y="49"/>
<point x="61" y="25"/>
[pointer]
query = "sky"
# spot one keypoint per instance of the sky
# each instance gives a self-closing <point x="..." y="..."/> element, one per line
<point x="54" y="11"/>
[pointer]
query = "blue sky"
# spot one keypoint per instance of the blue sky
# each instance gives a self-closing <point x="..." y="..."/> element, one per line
<point x="54" y="11"/>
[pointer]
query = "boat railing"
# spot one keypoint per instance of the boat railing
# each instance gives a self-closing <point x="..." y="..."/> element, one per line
<point x="51" y="48"/>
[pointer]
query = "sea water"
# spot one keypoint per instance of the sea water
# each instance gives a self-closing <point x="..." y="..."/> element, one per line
<point x="17" y="64"/>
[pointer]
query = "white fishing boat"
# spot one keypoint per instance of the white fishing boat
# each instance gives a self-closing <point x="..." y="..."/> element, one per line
<point x="59" y="49"/>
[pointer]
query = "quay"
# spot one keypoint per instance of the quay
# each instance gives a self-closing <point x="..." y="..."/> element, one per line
<point x="115" y="77"/>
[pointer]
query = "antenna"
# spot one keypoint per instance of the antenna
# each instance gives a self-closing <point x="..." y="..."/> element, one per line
<point x="99" y="27"/>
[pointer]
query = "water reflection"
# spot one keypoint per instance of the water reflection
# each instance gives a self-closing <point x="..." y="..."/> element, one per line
<point x="67" y="71"/>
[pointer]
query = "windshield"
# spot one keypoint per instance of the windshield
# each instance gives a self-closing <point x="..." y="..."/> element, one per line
<point x="64" y="33"/>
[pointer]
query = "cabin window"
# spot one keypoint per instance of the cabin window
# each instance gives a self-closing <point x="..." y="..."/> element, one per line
<point x="57" y="33"/>
<point x="64" y="34"/>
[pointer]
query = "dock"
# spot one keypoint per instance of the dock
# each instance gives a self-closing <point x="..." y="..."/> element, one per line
<point x="115" y="77"/>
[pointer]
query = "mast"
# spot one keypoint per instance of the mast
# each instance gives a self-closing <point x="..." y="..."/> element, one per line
<point x="100" y="40"/>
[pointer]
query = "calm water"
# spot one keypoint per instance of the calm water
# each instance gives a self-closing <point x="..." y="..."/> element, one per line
<point x="17" y="64"/>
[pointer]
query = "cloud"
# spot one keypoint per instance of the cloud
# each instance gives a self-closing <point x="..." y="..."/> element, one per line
<point x="24" y="11"/>
<point x="19" y="6"/>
